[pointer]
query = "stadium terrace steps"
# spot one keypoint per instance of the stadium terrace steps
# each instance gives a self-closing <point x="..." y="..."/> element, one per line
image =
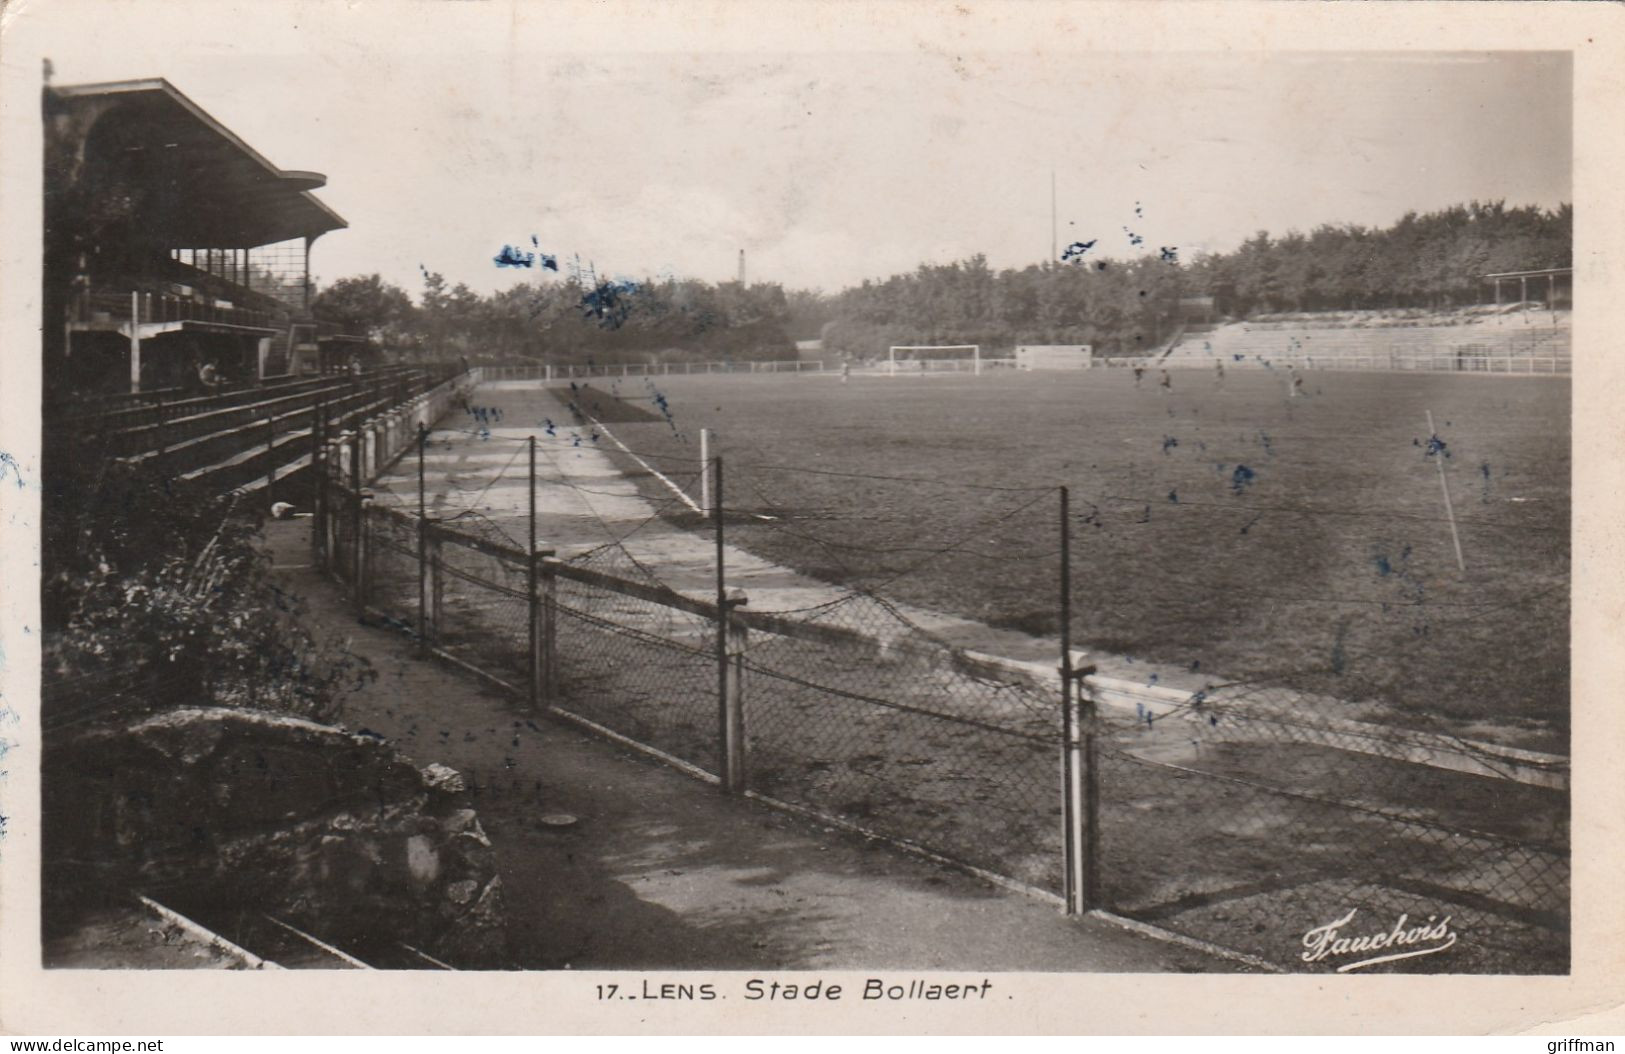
<point x="237" y="445"/>
<point x="233" y="444"/>
<point x="1242" y="343"/>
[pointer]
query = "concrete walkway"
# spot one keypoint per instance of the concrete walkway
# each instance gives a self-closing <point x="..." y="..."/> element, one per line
<point x="584" y="500"/>
<point x="661" y="871"/>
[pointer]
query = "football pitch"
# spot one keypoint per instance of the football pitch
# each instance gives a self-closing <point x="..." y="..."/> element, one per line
<point x="1221" y="526"/>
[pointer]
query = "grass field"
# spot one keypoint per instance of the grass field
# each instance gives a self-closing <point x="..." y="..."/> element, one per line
<point x="1228" y="530"/>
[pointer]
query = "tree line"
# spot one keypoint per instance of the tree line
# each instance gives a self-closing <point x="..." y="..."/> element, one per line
<point x="1431" y="261"/>
<point x="577" y="318"/>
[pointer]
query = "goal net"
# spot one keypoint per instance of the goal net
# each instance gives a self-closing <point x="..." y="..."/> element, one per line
<point x="923" y="358"/>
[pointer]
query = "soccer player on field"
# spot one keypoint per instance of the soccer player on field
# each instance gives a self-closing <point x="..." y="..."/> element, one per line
<point x="1218" y="373"/>
<point x="1166" y="383"/>
<point x="1139" y="374"/>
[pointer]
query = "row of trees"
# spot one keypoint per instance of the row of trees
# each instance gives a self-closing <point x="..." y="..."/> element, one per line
<point x="574" y="319"/>
<point x="1429" y="260"/>
<point x="1432" y="260"/>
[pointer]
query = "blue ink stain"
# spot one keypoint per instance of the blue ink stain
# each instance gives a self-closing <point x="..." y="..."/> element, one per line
<point x="1133" y="239"/>
<point x="510" y="256"/>
<point x="9" y="464"/>
<point x="609" y="302"/>
<point x="1170" y="254"/>
<point x="1241" y="478"/>
<point x="1077" y="249"/>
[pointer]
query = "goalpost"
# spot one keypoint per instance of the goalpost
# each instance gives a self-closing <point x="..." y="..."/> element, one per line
<point x="919" y="358"/>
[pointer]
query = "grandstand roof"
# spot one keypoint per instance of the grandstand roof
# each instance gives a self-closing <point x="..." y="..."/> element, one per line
<point x="218" y="191"/>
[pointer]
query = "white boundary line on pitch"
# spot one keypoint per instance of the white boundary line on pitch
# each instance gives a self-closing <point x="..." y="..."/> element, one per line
<point x="656" y="473"/>
<point x="675" y="489"/>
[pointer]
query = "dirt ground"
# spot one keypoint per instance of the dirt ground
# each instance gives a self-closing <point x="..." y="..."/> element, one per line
<point x="660" y="871"/>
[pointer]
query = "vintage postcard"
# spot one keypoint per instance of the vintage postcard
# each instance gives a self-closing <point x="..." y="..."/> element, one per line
<point x="530" y="518"/>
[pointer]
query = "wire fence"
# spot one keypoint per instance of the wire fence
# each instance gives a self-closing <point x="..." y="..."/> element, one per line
<point x="1236" y="817"/>
<point x="645" y="368"/>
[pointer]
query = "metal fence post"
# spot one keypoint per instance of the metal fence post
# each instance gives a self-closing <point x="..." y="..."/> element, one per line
<point x="1069" y="760"/>
<point x="733" y="695"/>
<point x="1079" y="786"/>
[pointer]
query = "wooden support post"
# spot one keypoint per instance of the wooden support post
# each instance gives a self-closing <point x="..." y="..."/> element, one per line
<point x="437" y="585"/>
<point x="533" y="592"/>
<point x="363" y="562"/>
<point x="733" y="695"/>
<point x="423" y="548"/>
<point x="550" y="631"/>
<point x="318" y="482"/>
<point x="270" y="461"/>
<point x="1088" y="760"/>
<point x="135" y="341"/>
<point x="355" y="514"/>
<point x="162" y="430"/>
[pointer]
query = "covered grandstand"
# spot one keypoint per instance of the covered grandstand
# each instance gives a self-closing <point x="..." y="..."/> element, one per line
<point x="171" y="243"/>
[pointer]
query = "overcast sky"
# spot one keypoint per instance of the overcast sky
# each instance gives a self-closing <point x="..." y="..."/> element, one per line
<point x="829" y="168"/>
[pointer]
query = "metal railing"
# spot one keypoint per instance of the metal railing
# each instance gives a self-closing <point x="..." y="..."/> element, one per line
<point x="1428" y="362"/>
<point x="568" y="371"/>
<point x="148" y="307"/>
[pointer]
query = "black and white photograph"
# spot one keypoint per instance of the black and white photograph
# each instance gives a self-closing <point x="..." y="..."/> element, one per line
<point x="857" y="513"/>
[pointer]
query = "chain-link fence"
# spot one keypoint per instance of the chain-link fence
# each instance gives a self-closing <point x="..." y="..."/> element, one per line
<point x="1243" y="818"/>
